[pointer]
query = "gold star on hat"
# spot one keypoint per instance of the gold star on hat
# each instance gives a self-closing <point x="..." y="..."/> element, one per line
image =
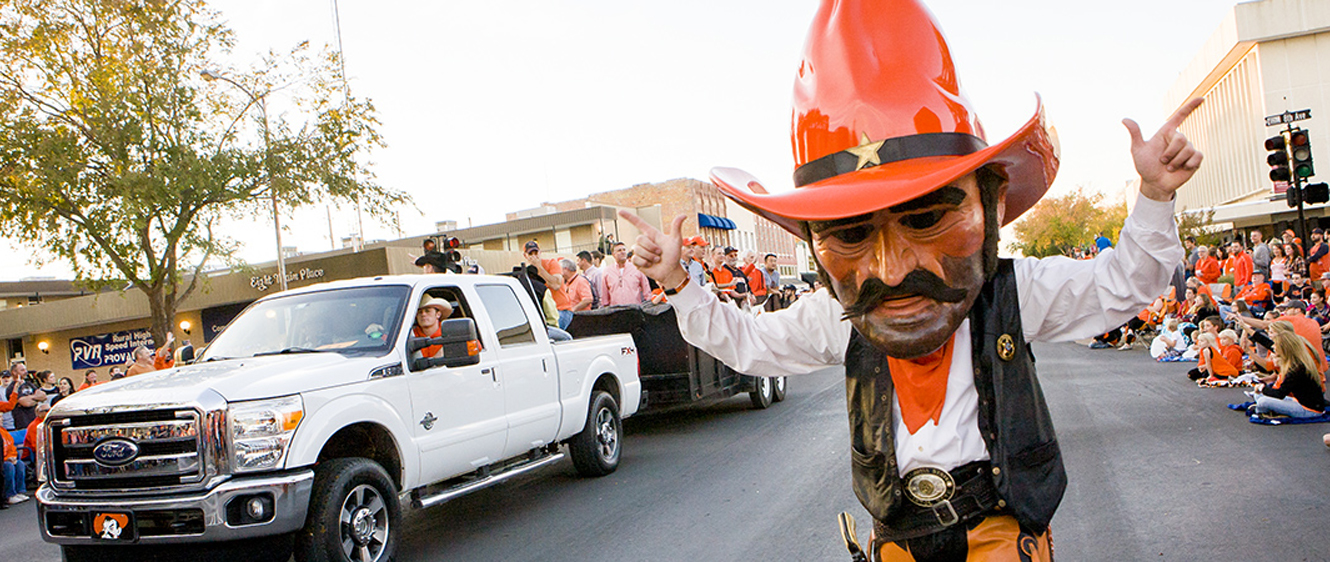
<point x="866" y="151"/>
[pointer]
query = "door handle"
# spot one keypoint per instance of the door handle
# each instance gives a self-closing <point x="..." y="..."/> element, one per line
<point x="492" y="372"/>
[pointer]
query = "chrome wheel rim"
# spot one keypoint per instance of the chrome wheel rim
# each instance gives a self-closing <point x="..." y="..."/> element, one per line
<point x="607" y="435"/>
<point x="364" y="524"/>
<point x="780" y="384"/>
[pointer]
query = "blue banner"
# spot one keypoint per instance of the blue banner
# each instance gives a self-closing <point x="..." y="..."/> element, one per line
<point x="105" y="350"/>
<point x="217" y="317"/>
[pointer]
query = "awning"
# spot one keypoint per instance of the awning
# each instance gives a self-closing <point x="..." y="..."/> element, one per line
<point x="709" y="221"/>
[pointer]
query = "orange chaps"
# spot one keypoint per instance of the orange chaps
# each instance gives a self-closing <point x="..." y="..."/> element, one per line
<point x="996" y="538"/>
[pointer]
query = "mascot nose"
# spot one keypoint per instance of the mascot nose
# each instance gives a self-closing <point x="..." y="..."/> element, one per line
<point x="893" y="257"/>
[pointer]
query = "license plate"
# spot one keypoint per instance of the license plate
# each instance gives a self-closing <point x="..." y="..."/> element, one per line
<point x="115" y="526"/>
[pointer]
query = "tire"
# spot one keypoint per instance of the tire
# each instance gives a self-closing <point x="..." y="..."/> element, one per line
<point x="763" y="393"/>
<point x="362" y="490"/>
<point x="596" y="449"/>
<point x="778" y="390"/>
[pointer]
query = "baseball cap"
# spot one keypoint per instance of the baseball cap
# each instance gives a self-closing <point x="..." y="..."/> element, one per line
<point x="1317" y="231"/>
<point x="1292" y="303"/>
<point x="697" y="241"/>
<point x="531" y="246"/>
<point x="730" y="250"/>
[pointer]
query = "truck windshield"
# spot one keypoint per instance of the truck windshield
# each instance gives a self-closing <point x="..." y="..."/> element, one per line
<point x="356" y="320"/>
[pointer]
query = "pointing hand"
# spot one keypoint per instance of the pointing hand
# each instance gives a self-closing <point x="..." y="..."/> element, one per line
<point x="656" y="253"/>
<point x="1166" y="160"/>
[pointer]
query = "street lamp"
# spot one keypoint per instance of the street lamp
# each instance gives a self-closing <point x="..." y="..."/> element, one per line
<point x="211" y="75"/>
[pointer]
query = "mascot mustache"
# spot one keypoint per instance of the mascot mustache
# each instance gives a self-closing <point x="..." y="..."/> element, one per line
<point x="920" y="282"/>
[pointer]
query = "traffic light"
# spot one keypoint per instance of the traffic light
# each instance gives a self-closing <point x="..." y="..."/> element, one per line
<point x="1278" y="159"/>
<point x="1300" y="143"/>
<point x="1293" y="195"/>
<point x="449" y="245"/>
<point x="1316" y="193"/>
<point x="445" y="257"/>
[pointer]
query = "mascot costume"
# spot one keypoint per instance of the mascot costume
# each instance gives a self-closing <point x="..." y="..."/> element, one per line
<point x="900" y="196"/>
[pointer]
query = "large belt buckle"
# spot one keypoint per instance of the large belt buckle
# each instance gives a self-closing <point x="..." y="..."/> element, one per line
<point x="932" y="487"/>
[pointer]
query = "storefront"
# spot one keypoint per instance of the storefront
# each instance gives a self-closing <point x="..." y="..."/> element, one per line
<point x="97" y="331"/>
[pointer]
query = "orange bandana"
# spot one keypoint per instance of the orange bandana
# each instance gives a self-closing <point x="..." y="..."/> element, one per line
<point x="921" y="385"/>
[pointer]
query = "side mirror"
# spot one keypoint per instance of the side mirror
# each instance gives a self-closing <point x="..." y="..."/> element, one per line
<point x="460" y="346"/>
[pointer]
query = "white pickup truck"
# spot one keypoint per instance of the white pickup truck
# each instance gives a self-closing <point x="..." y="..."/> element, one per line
<point x="313" y="419"/>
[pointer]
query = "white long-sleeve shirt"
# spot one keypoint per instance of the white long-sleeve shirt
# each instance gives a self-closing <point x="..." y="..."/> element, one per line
<point x="1061" y="299"/>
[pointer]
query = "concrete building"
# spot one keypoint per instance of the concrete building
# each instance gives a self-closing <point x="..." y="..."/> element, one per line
<point x="1267" y="57"/>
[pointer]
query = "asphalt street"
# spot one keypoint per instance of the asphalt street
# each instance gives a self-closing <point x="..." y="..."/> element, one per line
<point x="1159" y="470"/>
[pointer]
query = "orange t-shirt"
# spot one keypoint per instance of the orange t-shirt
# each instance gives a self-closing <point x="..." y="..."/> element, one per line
<point x="164" y="359"/>
<point x="722" y="276"/>
<point x="432" y="350"/>
<point x="11" y="452"/>
<point x="1311" y="331"/>
<point x="1219" y="365"/>
<point x="1207" y="269"/>
<point x="756" y="281"/>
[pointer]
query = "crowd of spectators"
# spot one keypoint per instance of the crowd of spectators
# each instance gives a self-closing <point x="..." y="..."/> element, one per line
<point x="1249" y="315"/>
<point x="26" y="396"/>
<point x="593" y="279"/>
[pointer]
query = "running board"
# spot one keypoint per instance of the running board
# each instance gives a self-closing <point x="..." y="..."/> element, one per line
<point x="463" y="489"/>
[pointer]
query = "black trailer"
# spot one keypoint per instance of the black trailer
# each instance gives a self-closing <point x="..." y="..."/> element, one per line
<point x="672" y="371"/>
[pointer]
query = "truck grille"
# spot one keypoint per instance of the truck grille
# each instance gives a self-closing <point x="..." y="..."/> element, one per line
<point x="127" y="450"/>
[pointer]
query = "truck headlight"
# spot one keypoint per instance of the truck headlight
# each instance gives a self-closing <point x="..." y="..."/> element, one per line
<point x="261" y="431"/>
<point x="41" y="452"/>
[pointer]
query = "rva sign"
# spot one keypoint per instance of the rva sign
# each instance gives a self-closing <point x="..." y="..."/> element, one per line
<point x="116" y="348"/>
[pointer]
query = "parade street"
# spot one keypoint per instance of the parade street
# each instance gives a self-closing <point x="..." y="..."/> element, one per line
<point x="1159" y="470"/>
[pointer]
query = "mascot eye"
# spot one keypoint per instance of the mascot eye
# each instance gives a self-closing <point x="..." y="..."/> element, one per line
<point x="923" y="221"/>
<point x="853" y="234"/>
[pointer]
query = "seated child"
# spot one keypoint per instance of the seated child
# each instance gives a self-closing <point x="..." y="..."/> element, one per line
<point x="1212" y="362"/>
<point x="1170" y="341"/>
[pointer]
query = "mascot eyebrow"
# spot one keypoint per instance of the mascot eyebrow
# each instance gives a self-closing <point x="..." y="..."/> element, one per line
<point x="946" y="195"/>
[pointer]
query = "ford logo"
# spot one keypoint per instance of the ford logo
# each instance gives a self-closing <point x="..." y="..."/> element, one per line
<point x="115" y="452"/>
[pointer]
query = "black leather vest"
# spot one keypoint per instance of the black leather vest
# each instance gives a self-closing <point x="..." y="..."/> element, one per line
<point x="1013" y="417"/>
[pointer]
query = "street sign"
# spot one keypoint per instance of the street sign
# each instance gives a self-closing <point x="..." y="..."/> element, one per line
<point x="1288" y="117"/>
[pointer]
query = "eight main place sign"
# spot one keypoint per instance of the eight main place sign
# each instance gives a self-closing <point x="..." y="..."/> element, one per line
<point x="1288" y="117"/>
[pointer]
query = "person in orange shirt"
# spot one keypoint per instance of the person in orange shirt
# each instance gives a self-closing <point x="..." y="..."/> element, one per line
<point x="165" y="356"/>
<point x="1257" y="294"/>
<point x="143" y="362"/>
<point x="1293" y="311"/>
<point x="757" y="283"/>
<point x="429" y="317"/>
<point x="548" y="268"/>
<point x="1239" y="264"/>
<point x="15" y="472"/>
<point x="1215" y="362"/>
<point x="1318" y="257"/>
<point x="90" y="379"/>
<point x="30" y="439"/>
<point x="1207" y="267"/>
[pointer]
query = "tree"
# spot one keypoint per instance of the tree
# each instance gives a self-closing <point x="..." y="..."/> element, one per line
<point x="1057" y="224"/>
<point x="1199" y="225"/>
<point x="119" y="158"/>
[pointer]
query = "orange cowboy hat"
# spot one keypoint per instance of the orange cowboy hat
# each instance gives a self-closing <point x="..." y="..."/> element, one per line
<point x="880" y="119"/>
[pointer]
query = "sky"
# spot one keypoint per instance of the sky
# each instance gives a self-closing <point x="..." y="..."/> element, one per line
<point x="497" y="106"/>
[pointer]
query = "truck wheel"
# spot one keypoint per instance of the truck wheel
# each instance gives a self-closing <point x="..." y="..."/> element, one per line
<point x="778" y="390"/>
<point x="596" y="449"/>
<point x="353" y="516"/>
<point x="762" y="393"/>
